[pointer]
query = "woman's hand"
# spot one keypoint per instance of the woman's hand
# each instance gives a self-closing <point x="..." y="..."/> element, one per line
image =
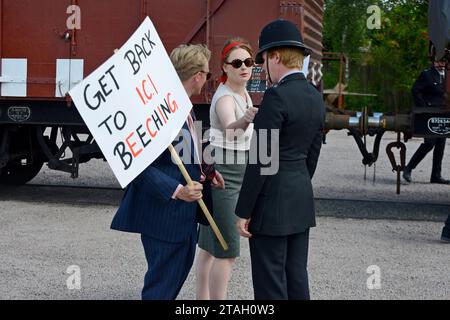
<point x="218" y="182"/>
<point x="250" y="114"/>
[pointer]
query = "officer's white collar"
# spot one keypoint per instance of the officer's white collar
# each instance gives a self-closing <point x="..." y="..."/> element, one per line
<point x="288" y="74"/>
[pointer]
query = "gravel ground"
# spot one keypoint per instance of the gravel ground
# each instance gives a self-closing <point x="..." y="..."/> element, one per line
<point x="340" y="174"/>
<point x="40" y="239"/>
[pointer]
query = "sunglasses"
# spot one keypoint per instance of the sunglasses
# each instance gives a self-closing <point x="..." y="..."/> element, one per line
<point x="208" y="74"/>
<point x="237" y="63"/>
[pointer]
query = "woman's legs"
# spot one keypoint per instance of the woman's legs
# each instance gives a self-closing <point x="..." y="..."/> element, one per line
<point x="219" y="278"/>
<point x="203" y="267"/>
<point x="212" y="276"/>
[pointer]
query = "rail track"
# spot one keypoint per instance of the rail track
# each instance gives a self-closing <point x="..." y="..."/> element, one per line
<point x="69" y="186"/>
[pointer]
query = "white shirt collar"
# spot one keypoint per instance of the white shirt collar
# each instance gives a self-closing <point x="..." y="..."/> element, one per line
<point x="289" y="73"/>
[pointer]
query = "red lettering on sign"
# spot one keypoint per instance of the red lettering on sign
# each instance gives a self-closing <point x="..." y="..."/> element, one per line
<point x="149" y="97"/>
<point x="152" y="134"/>
<point x="154" y="87"/>
<point x="146" y="89"/>
<point x="131" y="146"/>
<point x="172" y="105"/>
<point x="140" y="95"/>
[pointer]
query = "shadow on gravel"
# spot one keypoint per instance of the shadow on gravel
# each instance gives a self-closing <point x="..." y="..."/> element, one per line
<point x="61" y="194"/>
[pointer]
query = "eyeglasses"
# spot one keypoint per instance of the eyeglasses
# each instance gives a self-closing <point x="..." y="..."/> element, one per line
<point x="237" y="63"/>
<point x="208" y="74"/>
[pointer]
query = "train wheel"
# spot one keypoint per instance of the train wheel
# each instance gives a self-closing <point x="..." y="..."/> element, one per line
<point x="25" y="157"/>
<point x="18" y="173"/>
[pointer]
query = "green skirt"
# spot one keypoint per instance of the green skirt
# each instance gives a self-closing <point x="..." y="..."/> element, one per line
<point x="224" y="204"/>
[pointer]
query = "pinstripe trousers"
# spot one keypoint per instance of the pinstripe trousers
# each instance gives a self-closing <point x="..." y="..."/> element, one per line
<point x="168" y="267"/>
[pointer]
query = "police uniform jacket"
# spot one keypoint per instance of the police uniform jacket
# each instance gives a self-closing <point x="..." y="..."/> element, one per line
<point x="283" y="204"/>
<point x="429" y="89"/>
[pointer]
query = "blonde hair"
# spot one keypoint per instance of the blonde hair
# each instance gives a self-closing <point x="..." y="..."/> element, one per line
<point x="188" y="59"/>
<point x="291" y="57"/>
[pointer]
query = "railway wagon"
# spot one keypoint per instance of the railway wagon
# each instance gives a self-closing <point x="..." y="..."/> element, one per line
<point x="48" y="46"/>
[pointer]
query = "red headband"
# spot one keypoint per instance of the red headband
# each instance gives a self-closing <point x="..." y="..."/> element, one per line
<point x="229" y="47"/>
<point x="225" y="50"/>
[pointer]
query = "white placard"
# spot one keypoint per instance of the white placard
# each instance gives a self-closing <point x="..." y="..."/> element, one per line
<point x="13" y="77"/>
<point x="134" y="104"/>
<point x="69" y="72"/>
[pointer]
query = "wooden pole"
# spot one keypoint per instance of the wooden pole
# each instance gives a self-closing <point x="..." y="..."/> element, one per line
<point x="200" y="202"/>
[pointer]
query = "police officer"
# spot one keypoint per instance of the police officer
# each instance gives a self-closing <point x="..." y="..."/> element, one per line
<point x="429" y="91"/>
<point x="277" y="211"/>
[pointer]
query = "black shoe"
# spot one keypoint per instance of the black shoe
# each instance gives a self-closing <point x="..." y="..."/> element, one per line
<point x="407" y="174"/>
<point x="439" y="180"/>
<point x="445" y="237"/>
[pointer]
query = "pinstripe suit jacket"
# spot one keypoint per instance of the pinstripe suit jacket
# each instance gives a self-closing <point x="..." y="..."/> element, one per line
<point x="148" y="208"/>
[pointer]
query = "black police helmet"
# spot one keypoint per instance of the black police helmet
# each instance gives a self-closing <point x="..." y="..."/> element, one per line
<point x="280" y="33"/>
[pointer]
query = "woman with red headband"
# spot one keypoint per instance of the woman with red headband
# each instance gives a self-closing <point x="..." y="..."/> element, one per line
<point x="231" y="116"/>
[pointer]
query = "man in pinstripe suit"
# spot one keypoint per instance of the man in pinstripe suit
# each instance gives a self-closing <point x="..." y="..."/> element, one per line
<point x="159" y="207"/>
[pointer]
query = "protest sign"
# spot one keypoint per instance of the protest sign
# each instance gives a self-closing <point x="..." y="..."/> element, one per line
<point x="134" y="104"/>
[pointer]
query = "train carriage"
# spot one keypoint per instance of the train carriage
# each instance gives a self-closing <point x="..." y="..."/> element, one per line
<point x="48" y="46"/>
